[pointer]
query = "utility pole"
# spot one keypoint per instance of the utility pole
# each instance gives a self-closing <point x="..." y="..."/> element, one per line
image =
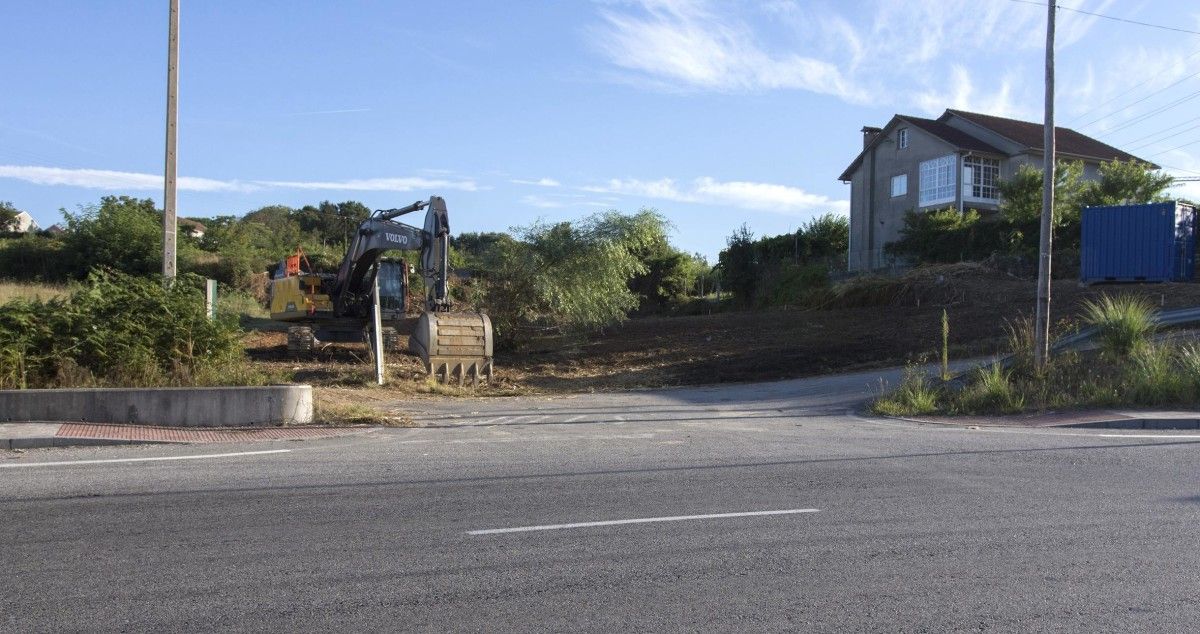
<point x="1041" y="336"/>
<point x="169" y="225"/>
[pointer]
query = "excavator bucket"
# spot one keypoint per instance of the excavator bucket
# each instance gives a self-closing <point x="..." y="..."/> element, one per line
<point x="454" y="346"/>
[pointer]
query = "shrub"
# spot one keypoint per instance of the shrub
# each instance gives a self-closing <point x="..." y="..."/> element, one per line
<point x="945" y="235"/>
<point x="117" y="329"/>
<point x="991" y="391"/>
<point x="1125" y="322"/>
<point x="915" y="395"/>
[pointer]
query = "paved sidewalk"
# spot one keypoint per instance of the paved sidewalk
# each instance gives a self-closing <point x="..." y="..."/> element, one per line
<point x="1100" y="419"/>
<point x="35" y="435"/>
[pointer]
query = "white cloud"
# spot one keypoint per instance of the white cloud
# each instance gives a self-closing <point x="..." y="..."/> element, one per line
<point x="139" y="181"/>
<point x="541" y="182"/>
<point x="114" y="180"/>
<point x="541" y="202"/>
<point x="403" y="184"/>
<point x="709" y="191"/>
<point x="683" y="42"/>
<point x="909" y="52"/>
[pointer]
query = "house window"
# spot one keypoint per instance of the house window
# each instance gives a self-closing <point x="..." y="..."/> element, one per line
<point x="937" y="181"/>
<point x="899" y="185"/>
<point x="902" y="137"/>
<point x="979" y="178"/>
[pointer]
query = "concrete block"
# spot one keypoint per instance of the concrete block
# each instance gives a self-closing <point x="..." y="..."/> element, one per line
<point x="176" y="407"/>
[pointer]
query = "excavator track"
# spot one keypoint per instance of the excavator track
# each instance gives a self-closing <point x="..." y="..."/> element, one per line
<point x="456" y="347"/>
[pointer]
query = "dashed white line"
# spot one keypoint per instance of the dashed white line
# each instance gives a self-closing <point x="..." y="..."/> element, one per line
<point x="159" y="458"/>
<point x="638" y="520"/>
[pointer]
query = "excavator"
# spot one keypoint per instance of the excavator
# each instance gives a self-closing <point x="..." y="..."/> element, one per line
<point x="324" y="307"/>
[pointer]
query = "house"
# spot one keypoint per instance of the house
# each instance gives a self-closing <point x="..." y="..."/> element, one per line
<point x="956" y="160"/>
<point x="190" y="227"/>
<point x="25" y="223"/>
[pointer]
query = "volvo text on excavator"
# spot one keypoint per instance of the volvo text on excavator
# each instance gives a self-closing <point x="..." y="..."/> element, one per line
<point x="339" y="307"/>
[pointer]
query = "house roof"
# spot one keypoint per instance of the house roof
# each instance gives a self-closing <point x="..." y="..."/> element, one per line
<point x="1025" y="133"/>
<point x="951" y="134"/>
<point x="1028" y="134"/>
<point x="943" y="131"/>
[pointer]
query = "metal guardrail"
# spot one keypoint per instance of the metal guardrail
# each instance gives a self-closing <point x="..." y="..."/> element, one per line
<point x="1179" y="317"/>
<point x="1077" y="341"/>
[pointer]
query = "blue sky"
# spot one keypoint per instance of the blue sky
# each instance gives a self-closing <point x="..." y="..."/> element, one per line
<point x="715" y="113"/>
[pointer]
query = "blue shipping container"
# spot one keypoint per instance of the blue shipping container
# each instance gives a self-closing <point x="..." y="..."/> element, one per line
<point x="1138" y="243"/>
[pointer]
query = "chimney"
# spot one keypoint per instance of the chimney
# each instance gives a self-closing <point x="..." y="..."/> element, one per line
<point x="869" y="134"/>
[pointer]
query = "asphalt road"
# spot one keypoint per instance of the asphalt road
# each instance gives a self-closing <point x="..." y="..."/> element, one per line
<point x="915" y="528"/>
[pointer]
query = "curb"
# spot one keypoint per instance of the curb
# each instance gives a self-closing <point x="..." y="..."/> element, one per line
<point x="44" y="442"/>
<point x="91" y="435"/>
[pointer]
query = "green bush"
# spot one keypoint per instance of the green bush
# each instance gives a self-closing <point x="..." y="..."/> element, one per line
<point x="990" y="392"/>
<point x="118" y="329"/>
<point x="1125" y="322"/>
<point x="916" y="395"/>
<point x="945" y="235"/>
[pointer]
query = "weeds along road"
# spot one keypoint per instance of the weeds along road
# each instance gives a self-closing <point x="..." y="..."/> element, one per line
<point x="764" y="507"/>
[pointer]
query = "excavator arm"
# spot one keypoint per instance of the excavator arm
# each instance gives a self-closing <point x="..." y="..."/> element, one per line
<point x="451" y="344"/>
<point x="380" y="233"/>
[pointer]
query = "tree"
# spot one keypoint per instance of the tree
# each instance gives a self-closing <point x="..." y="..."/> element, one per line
<point x="825" y="237"/>
<point x="1127" y="182"/>
<point x="739" y="267"/>
<point x="566" y="277"/>
<point x="121" y="233"/>
<point x="8" y="216"/>
<point x="944" y="235"/>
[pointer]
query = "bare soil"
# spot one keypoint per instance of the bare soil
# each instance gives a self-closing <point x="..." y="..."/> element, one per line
<point x="903" y="325"/>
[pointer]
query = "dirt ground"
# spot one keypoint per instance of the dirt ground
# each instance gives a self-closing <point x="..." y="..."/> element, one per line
<point x="736" y="346"/>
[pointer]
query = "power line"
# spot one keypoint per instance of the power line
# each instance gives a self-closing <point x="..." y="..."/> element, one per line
<point x="1110" y="17"/>
<point x="1134" y="103"/>
<point x="1158" y="132"/>
<point x="1125" y="92"/>
<point x="1143" y="117"/>
<point x="1178" y="147"/>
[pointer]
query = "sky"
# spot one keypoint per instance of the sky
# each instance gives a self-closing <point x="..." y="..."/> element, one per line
<point x="716" y="114"/>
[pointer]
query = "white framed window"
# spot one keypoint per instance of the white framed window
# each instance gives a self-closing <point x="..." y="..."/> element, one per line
<point x="902" y="138"/>
<point x="899" y="185"/>
<point x="937" y="181"/>
<point x="979" y="178"/>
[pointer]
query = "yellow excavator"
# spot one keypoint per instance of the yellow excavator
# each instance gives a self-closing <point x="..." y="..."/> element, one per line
<point x="322" y="307"/>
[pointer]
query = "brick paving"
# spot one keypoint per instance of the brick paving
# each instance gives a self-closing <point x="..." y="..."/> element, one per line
<point x="141" y="433"/>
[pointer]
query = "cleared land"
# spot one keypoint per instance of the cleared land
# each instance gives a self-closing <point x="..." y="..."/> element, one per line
<point x="877" y="323"/>
<point x="22" y="290"/>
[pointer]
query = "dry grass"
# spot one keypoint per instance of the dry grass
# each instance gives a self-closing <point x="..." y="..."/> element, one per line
<point x="24" y="290"/>
<point x="342" y="406"/>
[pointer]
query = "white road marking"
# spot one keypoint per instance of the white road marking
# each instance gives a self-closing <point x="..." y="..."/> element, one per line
<point x="573" y="419"/>
<point x="1149" y="436"/>
<point x="492" y="420"/>
<point x="639" y="520"/>
<point x="113" y="460"/>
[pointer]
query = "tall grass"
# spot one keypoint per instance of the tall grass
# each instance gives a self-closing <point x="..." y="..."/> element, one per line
<point x="25" y="290"/>
<point x="1125" y="322"/>
<point x="915" y="395"/>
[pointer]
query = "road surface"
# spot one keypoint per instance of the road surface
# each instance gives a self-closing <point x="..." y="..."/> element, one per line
<point x="763" y="507"/>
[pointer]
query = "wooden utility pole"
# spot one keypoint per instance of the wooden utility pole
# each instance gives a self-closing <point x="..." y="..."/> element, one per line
<point x="169" y="224"/>
<point x="1041" y="336"/>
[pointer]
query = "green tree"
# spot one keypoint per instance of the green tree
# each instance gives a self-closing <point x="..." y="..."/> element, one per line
<point x="8" y="216"/>
<point x="739" y="265"/>
<point x="566" y="277"/>
<point x="121" y="233"/>
<point x="825" y="237"/>
<point x="1128" y="182"/>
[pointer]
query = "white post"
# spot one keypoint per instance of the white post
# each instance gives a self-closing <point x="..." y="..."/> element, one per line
<point x="210" y="299"/>
<point x="169" y="228"/>
<point x="377" y="327"/>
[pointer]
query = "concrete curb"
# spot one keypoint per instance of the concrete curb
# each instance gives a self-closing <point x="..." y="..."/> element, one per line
<point x="45" y="442"/>
<point x="1107" y="422"/>
<point x="177" y="407"/>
